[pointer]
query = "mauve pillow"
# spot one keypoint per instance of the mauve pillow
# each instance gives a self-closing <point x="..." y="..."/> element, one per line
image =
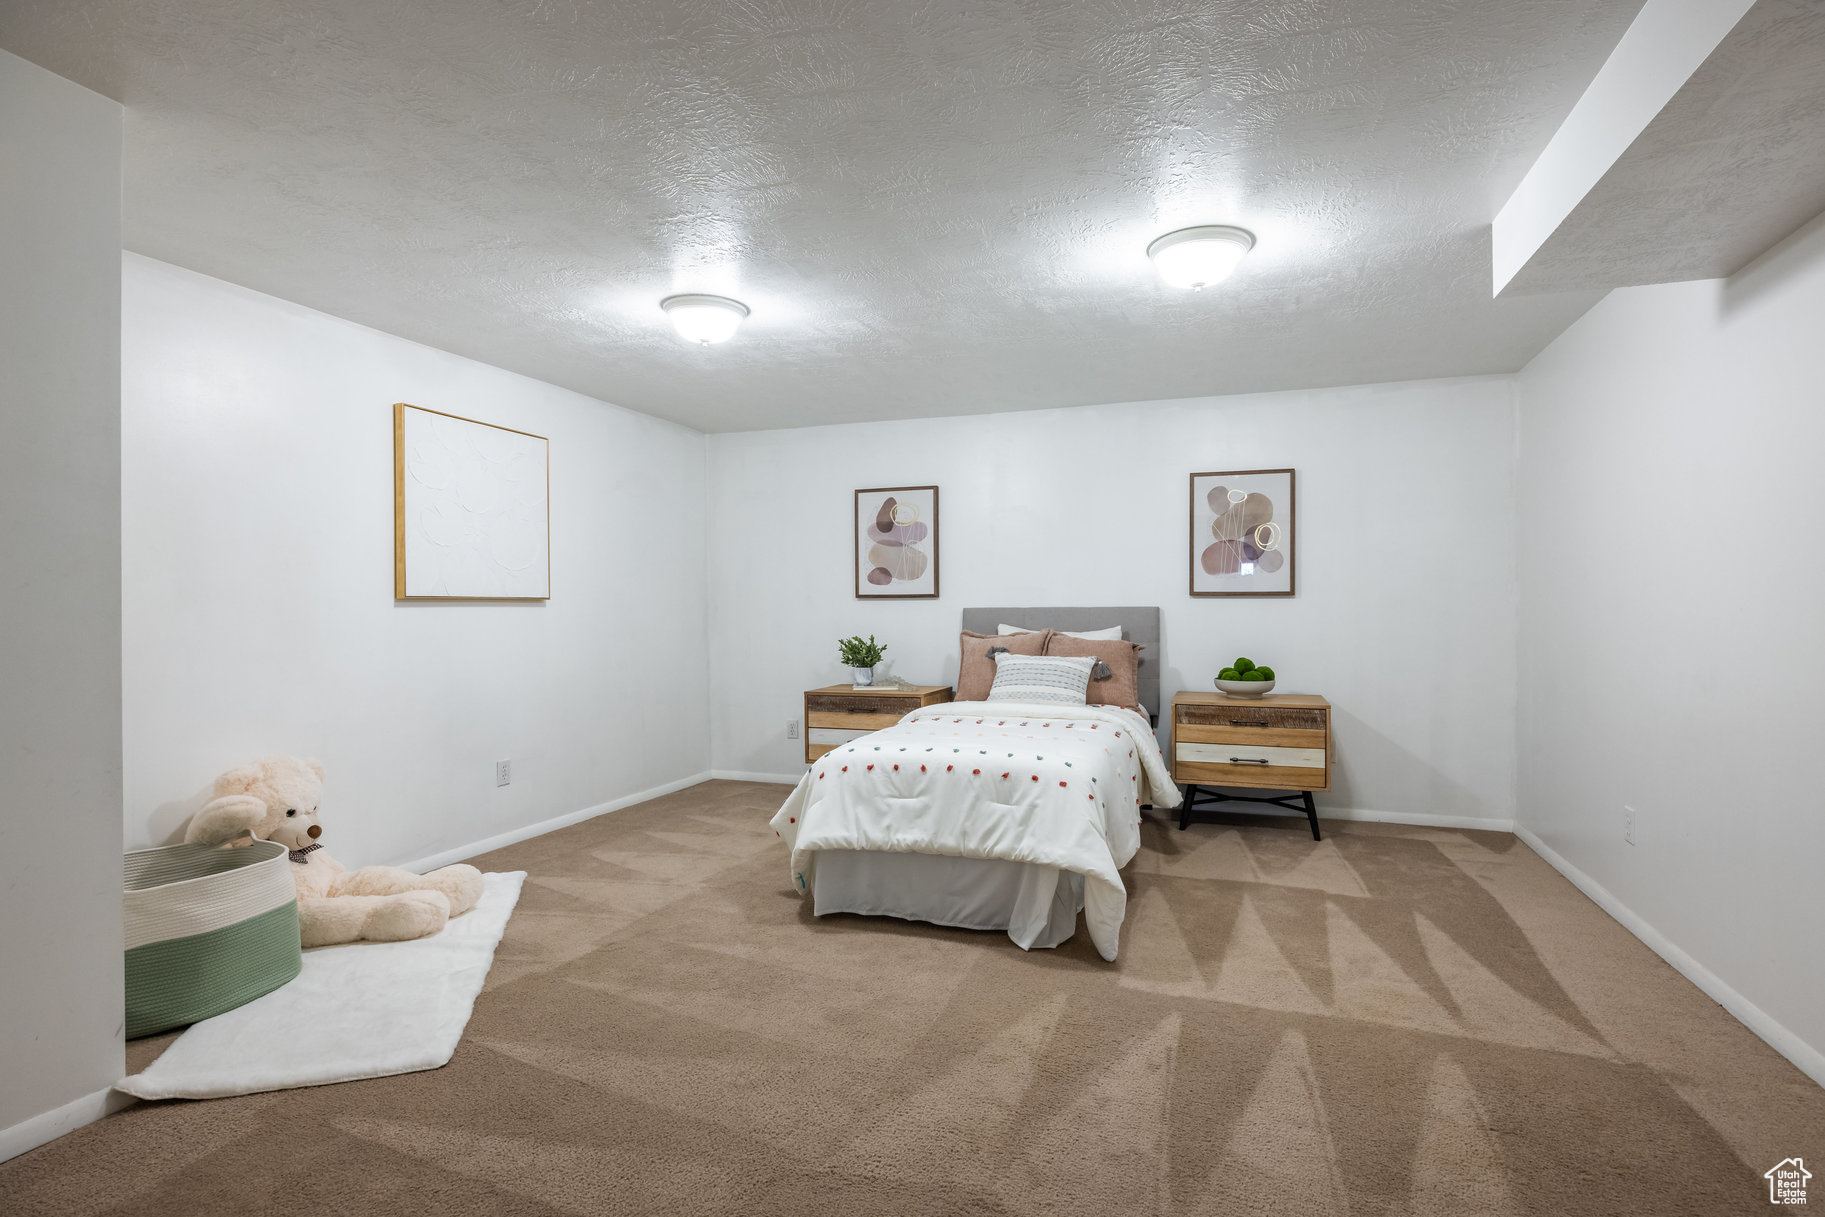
<point x="1122" y="687"/>
<point x="976" y="671"/>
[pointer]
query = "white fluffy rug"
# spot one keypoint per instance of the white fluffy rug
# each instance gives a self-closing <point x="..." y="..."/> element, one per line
<point x="364" y="1010"/>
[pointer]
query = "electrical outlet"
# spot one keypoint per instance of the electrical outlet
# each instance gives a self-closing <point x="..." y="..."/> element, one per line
<point x="792" y="728"/>
<point x="1628" y="825"/>
<point x="503" y="772"/>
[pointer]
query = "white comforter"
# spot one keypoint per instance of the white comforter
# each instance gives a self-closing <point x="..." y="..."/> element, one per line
<point x="1055" y="785"/>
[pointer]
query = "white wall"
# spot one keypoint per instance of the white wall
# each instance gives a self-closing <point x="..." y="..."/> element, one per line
<point x="1405" y="611"/>
<point x="1671" y="582"/>
<point x="60" y="952"/>
<point x="258" y="584"/>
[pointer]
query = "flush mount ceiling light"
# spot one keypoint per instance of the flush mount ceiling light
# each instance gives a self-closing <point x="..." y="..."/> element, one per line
<point x="704" y="319"/>
<point x="1199" y="257"/>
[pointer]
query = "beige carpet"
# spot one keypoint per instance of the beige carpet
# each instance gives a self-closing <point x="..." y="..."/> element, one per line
<point x="1394" y="1021"/>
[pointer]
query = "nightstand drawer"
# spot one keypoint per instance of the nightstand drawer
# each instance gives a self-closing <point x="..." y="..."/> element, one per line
<point x="831" y="737"/>
<point x="841" y="721"/>
<point x="860" y="703"/>
<point x="1251" y="737"/>
<point x="1249" y="756"/>
<point x="1251" y="775"/>
<point x="1255" y="718"/>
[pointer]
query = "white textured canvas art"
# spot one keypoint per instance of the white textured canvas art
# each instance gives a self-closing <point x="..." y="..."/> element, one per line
<point x="471" y="509"/>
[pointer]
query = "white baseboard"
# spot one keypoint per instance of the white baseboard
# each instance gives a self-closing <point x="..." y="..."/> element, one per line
<point x="1806" y="1058"/>
<point x="30" y="1134"/>
<point x="743" y="775"/>
<point x="516" y="835"/>
<point x="1415" y="818"/>
<point x="1418" y="819"/>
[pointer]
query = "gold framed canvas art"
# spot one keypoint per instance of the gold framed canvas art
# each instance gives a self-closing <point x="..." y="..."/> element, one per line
<point x="471" y="509"/>
<point x="1243" y="540"/>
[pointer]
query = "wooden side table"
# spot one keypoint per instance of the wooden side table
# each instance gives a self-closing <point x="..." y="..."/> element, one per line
<point x="837" y="714"/>
<point x="1280" y="741"/>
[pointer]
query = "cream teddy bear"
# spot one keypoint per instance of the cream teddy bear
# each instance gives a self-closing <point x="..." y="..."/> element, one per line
<point x="277" y="800"/>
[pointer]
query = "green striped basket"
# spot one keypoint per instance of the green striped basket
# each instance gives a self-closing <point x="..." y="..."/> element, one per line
<point x="207" y="930"/>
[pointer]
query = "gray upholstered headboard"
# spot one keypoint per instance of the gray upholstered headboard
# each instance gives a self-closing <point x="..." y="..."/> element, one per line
<point x="1140" y="623"/>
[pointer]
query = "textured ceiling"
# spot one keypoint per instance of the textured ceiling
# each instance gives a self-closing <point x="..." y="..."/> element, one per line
<point x="932" y="207"/>
<point x="1732" y="164"/>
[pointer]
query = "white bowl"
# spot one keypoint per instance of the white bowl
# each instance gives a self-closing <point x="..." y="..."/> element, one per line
<point x="1246" y="688"/>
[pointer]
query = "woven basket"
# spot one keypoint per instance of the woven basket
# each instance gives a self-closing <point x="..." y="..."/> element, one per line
<point x="207" y="930"/>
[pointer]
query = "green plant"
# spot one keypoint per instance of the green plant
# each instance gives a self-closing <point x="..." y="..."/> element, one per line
<point x="1229" y="674"/>
<point x="1243" y="665"/>
<point x="1254" y="674"/>
<point x="1266" y="673"/>
<point x="859" y="654"/>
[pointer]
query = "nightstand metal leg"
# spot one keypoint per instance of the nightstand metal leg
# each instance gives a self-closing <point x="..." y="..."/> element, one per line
<point x="1299" y="802"/>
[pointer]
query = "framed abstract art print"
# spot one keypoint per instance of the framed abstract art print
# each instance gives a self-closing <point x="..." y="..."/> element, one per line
<point x="1243" y="540"/>
<point x="896" y="543"/>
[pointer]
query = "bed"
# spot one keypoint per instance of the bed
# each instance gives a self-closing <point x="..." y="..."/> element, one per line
<point x="990" y="815"/>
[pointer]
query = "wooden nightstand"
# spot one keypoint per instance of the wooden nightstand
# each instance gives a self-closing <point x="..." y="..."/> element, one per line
<point x="1281" y="741"/>
<point x="839" y="713"/>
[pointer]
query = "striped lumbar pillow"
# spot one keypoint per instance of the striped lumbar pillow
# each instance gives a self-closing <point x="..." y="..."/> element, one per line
<point x="1053" y="678"/>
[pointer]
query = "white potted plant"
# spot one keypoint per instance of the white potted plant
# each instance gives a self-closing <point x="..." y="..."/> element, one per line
<point x="860" y="657"/>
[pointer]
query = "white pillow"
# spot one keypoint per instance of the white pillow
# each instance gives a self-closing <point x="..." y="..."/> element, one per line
<point x="1112" y="634"/>
<point x="1048" y="678"/>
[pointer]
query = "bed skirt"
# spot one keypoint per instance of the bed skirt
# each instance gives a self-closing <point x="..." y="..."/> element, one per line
<point x="1035" y="905"/>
